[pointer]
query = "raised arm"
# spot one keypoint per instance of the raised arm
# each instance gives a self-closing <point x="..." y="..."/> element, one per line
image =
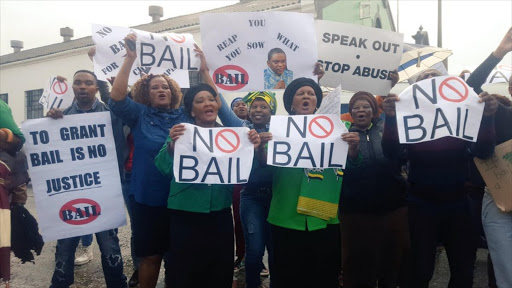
<point x="120" y="86"/>
<point x="478" y="77"/>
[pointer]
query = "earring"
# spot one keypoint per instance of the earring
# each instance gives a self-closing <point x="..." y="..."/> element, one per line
<point x="193" y="114"/>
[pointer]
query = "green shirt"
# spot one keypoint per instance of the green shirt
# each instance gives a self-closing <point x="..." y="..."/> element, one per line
<point x="192" y="197"/>
<point x="286" y="188"/>
<point x="7" y="121"/>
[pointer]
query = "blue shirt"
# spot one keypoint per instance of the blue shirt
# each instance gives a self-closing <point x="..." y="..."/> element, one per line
<point x="150" y="128"/>
<point x="272" y="78"/>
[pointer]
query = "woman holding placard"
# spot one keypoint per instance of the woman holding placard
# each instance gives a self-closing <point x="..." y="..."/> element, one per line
<point x="372" y="203"/>
<point x="257" y="192"/>
<point x="154" y="110"/>
<point x="306" y="245"/>
<point x="201" y="224"/>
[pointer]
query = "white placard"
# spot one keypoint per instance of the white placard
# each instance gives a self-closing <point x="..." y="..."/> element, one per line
<point x="331" y="103"/>
<point x="57" y="94"/>
<point x="237" y="47"/>
<point x="358" y="57"/>
<point x="213" y="155"/>
<point x="74" y="173"/>
<point x="307" y="141"/>
<point x="168" y="53"/>
<point x="438" y="107"/>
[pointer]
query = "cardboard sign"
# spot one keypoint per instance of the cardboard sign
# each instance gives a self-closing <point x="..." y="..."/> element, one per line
<point x="358" y="57"/>
<point x="436" y="108"/>
<point x="74" y="173"/>
<point x="57" y="94"/>
<point x="213" y="155"/>
<point x="307" y="141"/>
<point x="497" y="174"/>
<point x="238" y="46"/>
<point x="168" y="53"/>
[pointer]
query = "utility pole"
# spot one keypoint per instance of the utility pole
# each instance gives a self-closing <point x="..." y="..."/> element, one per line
<point x="440" y="29"/>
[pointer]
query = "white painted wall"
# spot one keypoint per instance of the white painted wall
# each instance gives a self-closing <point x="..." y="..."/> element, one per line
<point x="32" y="74"/>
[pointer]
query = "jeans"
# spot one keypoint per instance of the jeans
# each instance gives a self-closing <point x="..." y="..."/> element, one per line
<point x="126" y="195"/>
<point x="254" y="207"/>
<point x="498" y="230"/>
<point x="86" y="240"/>
<point x="111" y="260"/>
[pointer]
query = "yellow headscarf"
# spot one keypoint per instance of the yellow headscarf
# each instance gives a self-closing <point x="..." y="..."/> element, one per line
<point x="269" y="97"/>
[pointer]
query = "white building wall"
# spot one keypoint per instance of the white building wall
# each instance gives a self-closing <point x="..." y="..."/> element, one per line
<point x="32" y="74"/>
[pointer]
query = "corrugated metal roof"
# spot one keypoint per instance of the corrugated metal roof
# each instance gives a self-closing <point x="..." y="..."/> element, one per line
<point x="161" y="26"/>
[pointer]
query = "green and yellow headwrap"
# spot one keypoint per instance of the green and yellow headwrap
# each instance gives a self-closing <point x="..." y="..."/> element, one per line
<point x="269" y="97"/>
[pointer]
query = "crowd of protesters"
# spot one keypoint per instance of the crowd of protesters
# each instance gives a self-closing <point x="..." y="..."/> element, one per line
<point x="392" y="205"/>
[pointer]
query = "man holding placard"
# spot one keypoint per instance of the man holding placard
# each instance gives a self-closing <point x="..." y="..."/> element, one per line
<point x="437" y="199"/>
<point x="85" y="89"/>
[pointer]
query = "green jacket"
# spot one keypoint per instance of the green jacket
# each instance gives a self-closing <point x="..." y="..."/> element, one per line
<point x="7" y="121"/>
<point x="201" y="198"/>
<point x="286" y="189"/>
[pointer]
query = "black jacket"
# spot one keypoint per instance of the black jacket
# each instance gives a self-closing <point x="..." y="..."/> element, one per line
<point x="377" y="185"/>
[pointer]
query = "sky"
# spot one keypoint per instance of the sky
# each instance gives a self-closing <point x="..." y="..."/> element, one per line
<point x="471" y="29"/>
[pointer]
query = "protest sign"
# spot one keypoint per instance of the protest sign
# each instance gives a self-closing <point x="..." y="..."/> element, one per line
<point x="238" y="45"/>
<point x="166" y="53"/>
<point x="213" y="155"/>
<point x="497" y="174"/>
<point x="57" y="94"/>
<point x="74" y="173"/>
<point x="358" y="57"/>
<point x="331" y="102"/>
<point x="438" y="107"/>
<point x="307" y="141"/>
<point x="500" y="74"/>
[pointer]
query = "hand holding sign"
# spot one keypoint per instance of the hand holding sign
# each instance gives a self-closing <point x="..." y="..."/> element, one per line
<point x="254" y="137"/>
<point x="175" y="133"/>
<point x="491" y="104"/>
<point x="55" y="113"/>
<point x="129" y="42"/>
<point x="389" y="104"/>
<point x="352" y="139"/>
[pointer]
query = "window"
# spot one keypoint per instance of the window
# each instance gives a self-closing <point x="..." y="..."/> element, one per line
<point x="34" y="109"/>
<point x="5" y="97"/>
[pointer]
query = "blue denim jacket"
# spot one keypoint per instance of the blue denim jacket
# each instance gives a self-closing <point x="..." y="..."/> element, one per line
<point x="150" y="128"/>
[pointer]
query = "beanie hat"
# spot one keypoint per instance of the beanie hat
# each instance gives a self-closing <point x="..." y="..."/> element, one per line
<point x="191" y="93"/>
<point x="362" y="95"/>
<point x="296" y="84"/>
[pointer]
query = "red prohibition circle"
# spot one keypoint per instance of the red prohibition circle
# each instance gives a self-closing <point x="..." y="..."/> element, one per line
<point x="177" y="38"/>
<point x="315" y="121"/>
<point x="221" y="135"/>
<point x="224" y="72"/>
<point x="505" y="67"/>
<point x="463" y="95"/>
<point x="70" y="206"/>
<point x="61" y="88"/>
